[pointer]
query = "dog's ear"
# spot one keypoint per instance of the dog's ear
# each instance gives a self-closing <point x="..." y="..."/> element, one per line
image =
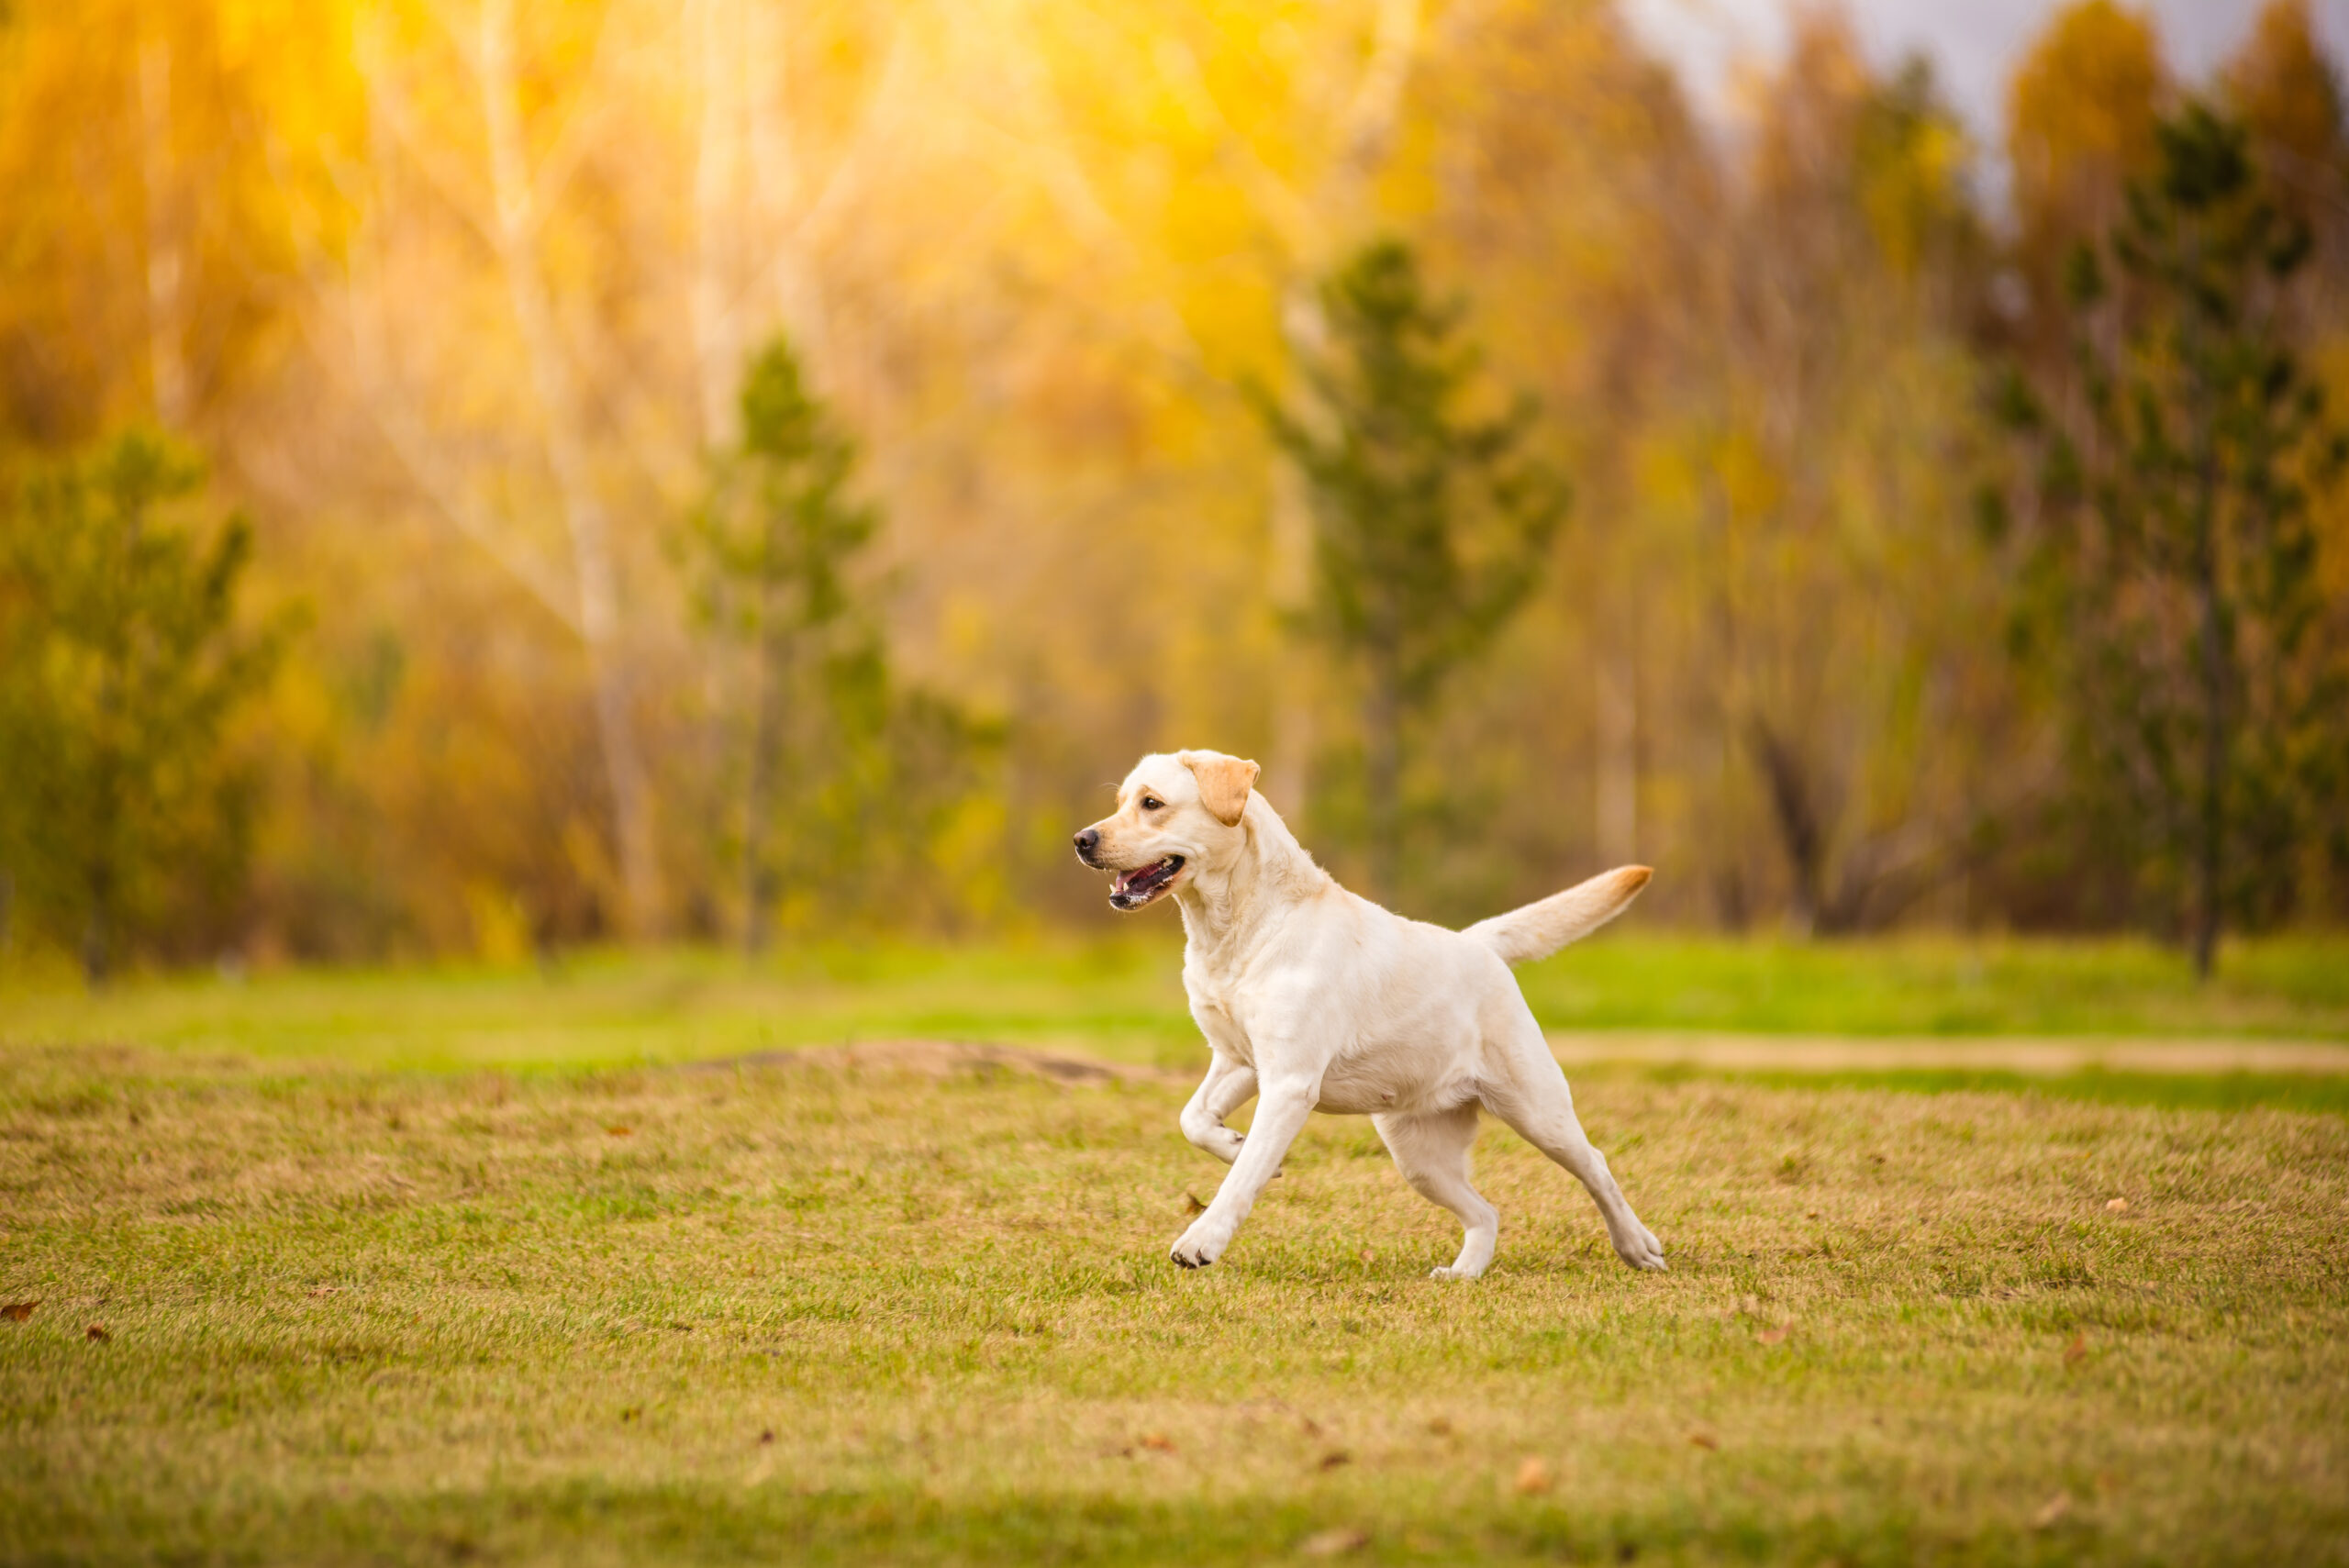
<point x="1224" y="783"/>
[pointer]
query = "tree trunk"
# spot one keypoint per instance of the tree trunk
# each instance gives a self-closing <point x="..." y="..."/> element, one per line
<point x="1366" y="130"/>
<point x="1288" y="766"/>
<point x="101" y="874"/>
<point x="785" y="240"/>
<point x="97" y="933"/>
<point x="2212" y="826"/>
<point x="588" y="524"/>
<point x="166" y="356"/>
<point x="758" y="795"/>
<point x="718" y="339"/>
<point x="1382" y="743"/>
<point x="1617" y="757"/>
<point x="1800" y="833"/>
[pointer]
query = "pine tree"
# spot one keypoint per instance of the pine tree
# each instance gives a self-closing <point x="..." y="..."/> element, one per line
<point x="125" y="662"/>
<point x="2175" y="573"/>
<point x="1431" y="524"/>
<point x="775" y="544"/>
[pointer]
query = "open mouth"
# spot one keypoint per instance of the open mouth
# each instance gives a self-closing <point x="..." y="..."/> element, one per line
<point x="1137" y="887"/>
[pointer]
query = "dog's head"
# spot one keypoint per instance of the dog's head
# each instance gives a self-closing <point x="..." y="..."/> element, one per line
<point x="1178" y="813"/>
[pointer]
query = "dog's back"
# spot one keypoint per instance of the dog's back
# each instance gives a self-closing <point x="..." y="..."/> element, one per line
<point x="1540" y="929"/>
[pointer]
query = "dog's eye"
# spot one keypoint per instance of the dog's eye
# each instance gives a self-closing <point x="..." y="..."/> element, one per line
<point x="1152" y="803"/>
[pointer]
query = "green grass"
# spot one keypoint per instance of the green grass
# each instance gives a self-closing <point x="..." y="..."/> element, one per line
<point x="1943" y="985"/>
<point x="1121" y="996"/>
<point x="808" y="1314"/>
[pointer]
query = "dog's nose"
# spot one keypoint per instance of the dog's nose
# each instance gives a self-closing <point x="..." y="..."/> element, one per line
<point x="1087" y="842"/>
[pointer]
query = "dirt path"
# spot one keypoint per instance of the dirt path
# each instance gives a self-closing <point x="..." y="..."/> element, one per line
<point x="1823" y="1053"/>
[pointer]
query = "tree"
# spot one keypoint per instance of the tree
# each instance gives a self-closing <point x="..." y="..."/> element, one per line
<point x="1430" y="525"/>
<point x="126" y="664"/>
<point x="1844" y="587"/>
<point x="775" y="544"/>
<point x="2174" y="566"/>
<point x="872" y="779"/>
<point x="2079" y="124"/>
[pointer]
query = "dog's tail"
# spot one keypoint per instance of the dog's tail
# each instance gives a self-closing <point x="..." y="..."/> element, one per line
<point x="1539" y="929"/>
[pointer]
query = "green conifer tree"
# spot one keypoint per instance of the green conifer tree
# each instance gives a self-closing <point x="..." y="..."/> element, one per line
<point x="1431" y="524"/>
<point x="848" y="779"/>
<point x="122" y="663"/>
<point x="2173" y="574"/>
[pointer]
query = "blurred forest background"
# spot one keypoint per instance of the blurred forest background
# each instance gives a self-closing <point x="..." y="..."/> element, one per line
<point x="489" y="475"/>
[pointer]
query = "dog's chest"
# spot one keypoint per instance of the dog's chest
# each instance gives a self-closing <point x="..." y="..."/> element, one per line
<point x="1219" y="1020"/>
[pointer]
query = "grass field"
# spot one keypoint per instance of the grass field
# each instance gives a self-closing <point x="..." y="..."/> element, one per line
<point x="1122" y="998"/>
<point x="360" y="1298"/>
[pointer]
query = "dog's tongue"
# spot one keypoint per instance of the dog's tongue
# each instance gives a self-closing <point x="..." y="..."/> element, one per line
<point x="1140" y="877"/>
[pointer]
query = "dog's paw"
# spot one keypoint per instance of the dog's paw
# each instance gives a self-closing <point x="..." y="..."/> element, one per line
<point x="1449" y="1271"/>
<point x="1642" y="1250"/>
<point x="1196" y="1249"/>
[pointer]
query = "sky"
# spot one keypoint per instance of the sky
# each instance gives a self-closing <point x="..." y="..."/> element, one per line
<point x="1973" y="43"/>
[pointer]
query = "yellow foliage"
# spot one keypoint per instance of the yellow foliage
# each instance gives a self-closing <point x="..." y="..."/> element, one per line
<point x="501" y="926"/>
<point x="2080" y="114"/>
<point x="463" y="340"/>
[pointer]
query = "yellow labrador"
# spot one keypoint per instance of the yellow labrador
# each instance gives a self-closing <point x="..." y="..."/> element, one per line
<point x="1315" y="999"/>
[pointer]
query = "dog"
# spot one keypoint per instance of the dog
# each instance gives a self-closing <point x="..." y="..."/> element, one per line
<point x="1313" y="998"/>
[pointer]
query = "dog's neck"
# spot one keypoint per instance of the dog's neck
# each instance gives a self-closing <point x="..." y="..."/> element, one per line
<point x="1226" y="911"/>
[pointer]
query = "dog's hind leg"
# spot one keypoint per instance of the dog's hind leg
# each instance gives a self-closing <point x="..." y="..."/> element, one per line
<point x="1431" y="1151"/>
<point x="1224" y="1090"/>
<point x="1526" y="1088"/>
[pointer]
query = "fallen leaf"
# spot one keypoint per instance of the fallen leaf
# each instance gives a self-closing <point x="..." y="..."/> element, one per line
<point x="1441" y="1426"/>
<point x="17" y="1311"/>
<point x="1364" y="1255"/>
<point x="2077" y="1352"/>
<point x="1158" y="1440"/>
<point x="2052" y="1511"/>
<point x="2118" y="1205"/>
<point x="1334" y="1543"/>
<point x="325" y="1290"/>
<point x="96" y="1331"/>
<point x="620" y="1131"/>
<point x="1535" y="1475"/>
<point x="767" y="1436"/>
<point x="1776" y="1336"/>
<point x="1336" y="1457"/>
<point x="1705" y="1439"/>
<point x="1191" y="1204"/>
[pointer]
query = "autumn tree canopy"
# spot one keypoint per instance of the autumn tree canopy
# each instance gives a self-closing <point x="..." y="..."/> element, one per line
<point x="456" y="299"/>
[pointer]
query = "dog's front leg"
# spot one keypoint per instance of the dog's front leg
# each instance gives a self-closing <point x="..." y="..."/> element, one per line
<point x="1224" y="1090"/>
<point x="1282" y="1107"/>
